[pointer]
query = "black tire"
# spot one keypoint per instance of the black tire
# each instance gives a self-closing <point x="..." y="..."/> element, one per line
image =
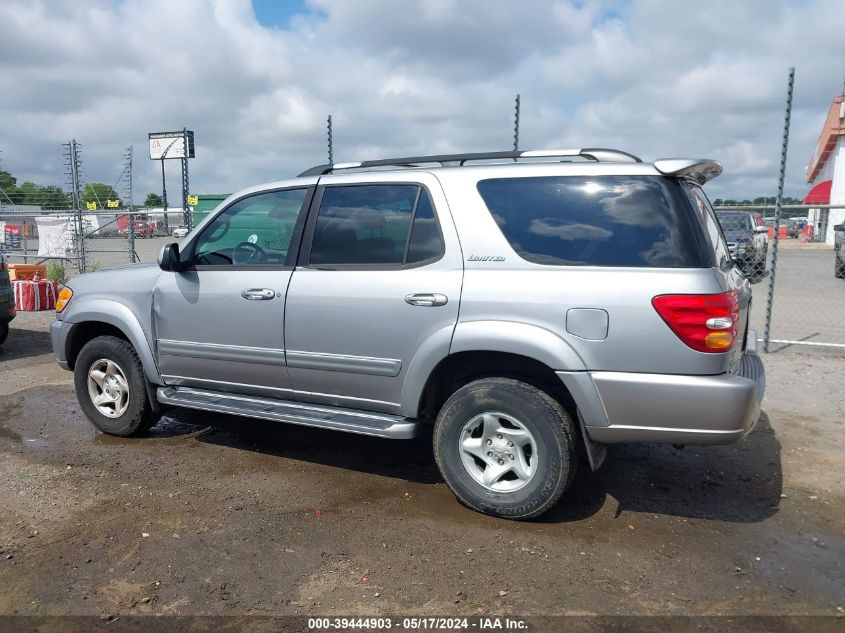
<point x="543" y="417"/>
<point x="4" y="331"/>
<point x="838" y="272"/>
<point x="138" y="416"/>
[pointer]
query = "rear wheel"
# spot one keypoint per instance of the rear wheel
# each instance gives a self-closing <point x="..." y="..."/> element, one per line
<point x="505" y="448"/>
<point x="4" y="331"/>
<point x="111" y="389"/>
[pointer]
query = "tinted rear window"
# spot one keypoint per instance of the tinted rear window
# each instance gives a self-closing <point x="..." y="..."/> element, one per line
<point x="597" y="221"/>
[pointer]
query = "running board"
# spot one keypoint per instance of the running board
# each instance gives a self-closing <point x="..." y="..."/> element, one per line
<point x="336" y="418"/>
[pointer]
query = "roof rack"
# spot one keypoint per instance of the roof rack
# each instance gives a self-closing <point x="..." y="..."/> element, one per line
<point x="597" y="154"/>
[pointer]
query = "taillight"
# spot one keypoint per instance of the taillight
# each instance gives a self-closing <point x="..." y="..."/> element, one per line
<point x="706" y="323"/>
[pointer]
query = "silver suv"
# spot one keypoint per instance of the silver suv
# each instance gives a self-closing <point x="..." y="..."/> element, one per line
<point x="528" y="307"/>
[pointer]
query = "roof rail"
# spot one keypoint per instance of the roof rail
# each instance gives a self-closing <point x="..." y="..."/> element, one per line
<point x="594" y="153"/>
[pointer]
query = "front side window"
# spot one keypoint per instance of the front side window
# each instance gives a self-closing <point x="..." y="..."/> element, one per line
<point x="375" y="225"/>
<point x="254" y="231"/>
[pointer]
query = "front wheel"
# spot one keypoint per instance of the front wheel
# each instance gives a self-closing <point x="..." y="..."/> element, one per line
<point x="838" y="268"/>
<point x="110" y="387"/>
<point x="505" y="448"/>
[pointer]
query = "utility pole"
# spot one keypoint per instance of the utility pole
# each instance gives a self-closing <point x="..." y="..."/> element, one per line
<point x="73" y="164"/>
<point x="133" y="257"/>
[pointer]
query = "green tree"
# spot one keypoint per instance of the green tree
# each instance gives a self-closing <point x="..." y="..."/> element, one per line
<point x="98" y="193"/>
<point x="9" y="187"/>
<point x="153" y="200"/>
<point x="53" y="197"/>
<point x="28" y="193"/>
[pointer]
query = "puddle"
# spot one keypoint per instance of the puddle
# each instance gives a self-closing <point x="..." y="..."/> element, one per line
<point x="813" y="562"/>
<point x="36" y="442"/>
<point x="169" y="428"/>
<point x="9" y="434"/>
<point x="26" y="441"/>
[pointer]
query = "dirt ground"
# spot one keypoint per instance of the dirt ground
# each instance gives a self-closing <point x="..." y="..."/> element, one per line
<point x="223" y="516"/>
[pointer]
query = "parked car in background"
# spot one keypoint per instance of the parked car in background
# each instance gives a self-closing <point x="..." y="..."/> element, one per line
<point x="838" y="254"/>
<point x="748" y="241"/>
<point x="142" y="228"/>
<point x="526" y="313"/>
<point x="179" y="232"/>
<point x="7" y="300"/>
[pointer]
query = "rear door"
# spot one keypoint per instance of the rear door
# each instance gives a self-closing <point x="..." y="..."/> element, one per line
<point x="378" y="283"/>
<point x="220" y="323"/>
<point x="730" y="275"/>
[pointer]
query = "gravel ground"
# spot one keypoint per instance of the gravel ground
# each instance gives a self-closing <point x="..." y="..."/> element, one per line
<point x="223" y="516"/>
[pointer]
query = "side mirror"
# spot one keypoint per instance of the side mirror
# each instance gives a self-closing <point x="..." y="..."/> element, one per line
<point x="761" y="229"/>
<point x="168" y="258"/>
<point x="839" y="227"/>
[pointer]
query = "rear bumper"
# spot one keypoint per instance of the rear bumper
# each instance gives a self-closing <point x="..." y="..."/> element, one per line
<point x="674" y="409"/>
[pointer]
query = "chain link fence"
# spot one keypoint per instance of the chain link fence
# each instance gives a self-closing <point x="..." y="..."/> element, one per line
<point x="52" y="238"/>
<point x="799" y="292"/>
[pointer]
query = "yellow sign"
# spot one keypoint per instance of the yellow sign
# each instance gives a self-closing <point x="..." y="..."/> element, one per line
<point x="112" y="204"/>
<point x="193" y="200"/>
<point x="91" y="206"/>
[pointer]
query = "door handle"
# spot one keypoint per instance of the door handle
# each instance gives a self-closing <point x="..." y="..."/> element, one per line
<point x="427" y="299"/>
<point x="258" y="294"/>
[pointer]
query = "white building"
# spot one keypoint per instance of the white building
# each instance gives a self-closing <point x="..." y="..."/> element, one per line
<point x="826" y="173"/>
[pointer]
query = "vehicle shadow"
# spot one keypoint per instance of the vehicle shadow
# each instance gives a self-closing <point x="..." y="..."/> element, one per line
<point x="412" y="460"/>
<point x="25" y="343"/>
<point x="739" y="483"/>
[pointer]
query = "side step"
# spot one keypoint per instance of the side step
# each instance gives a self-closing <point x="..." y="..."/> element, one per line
<point x="336" y="418"/>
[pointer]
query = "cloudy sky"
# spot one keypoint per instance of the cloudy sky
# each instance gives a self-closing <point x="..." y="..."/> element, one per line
<point x="255" y="81"/>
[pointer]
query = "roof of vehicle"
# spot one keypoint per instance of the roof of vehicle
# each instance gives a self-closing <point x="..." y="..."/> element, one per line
<point x="700" y="170"/>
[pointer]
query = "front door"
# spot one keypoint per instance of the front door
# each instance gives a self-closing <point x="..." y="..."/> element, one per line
<point x="378" y="280"/>
<point x="219" y="324"/>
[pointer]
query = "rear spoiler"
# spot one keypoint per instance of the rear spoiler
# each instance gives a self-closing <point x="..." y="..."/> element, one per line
<point x="695" y="169"/>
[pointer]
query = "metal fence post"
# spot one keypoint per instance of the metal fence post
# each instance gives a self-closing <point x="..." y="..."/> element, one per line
<point x="329" y="133"/>
<point x="133" y="256"/>
<point x="778" y="208"/>
<point x="187" y="219"/>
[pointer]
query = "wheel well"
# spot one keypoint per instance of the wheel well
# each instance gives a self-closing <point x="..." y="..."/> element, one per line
<point x="456" y="370"/>
<point x="87" y="331"/>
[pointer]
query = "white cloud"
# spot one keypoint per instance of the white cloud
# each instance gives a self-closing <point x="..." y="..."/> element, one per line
<point x="399" y="77"/>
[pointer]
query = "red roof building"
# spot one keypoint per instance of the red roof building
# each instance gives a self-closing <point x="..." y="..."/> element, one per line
<point x="826" y="172"/>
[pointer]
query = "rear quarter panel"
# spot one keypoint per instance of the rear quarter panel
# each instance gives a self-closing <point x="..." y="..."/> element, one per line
<point x="501" y="286"/>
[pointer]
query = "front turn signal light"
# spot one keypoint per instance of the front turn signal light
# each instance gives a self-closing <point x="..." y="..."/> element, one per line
<point x="64" y="297"/>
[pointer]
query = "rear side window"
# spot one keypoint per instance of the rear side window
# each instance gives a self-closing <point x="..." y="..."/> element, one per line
<point x="711" y="226"/>
<point x="641" y="221"/>
<point x="375" y="225"/>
